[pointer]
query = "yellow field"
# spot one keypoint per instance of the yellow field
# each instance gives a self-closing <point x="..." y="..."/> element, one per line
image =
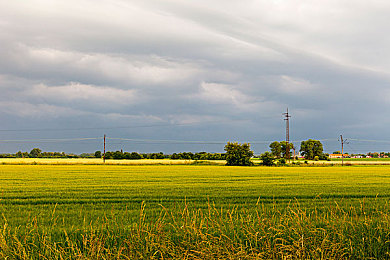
<point x="87" y="161"/>
<point x="95" y="161"/>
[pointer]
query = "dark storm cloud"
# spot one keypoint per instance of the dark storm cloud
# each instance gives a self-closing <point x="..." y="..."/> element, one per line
<point x="116" y="63"/>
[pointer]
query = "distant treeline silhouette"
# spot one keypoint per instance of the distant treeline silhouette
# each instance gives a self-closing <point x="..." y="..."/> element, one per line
<point x="117" y="155"/>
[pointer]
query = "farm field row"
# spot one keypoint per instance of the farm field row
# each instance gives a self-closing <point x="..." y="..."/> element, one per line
<point x="96" y="161"/>
<point x="49" y="200"/>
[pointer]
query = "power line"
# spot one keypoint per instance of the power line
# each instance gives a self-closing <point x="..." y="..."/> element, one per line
<point x="140" y="140"/>
<point x="56" y="140"/>
<point x="165" y="141"/>
<point x="287" y="118"/>
<point x="342" y="141"/>
<point x="85" y="128"/>
<point x="181" y="141"/>
<point x="372" y="141"/>
<point x="114" y="127"/>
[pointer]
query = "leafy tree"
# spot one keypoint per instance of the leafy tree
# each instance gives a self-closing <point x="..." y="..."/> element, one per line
<point x="286" y="151"/>
<point x="175" y="156"/>
<point x="159" y="155"/>
<point x="311" y="148"/>
<point x="238" y="154"/>
<point x="109" y="155"/>
<point x="135" y="156"/>
<point x="98" y="154"/>
<point x="117" y="155"/>
<point x="276" y="149"/>
<point x="35" y="153"/>
<point x="267" y="159"/>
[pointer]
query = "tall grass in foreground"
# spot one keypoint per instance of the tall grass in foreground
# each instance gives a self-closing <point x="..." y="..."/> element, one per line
<point x="186" y="232"/>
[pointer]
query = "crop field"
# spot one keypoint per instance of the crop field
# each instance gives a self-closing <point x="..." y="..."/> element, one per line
<point x="362" y="159"/>
<point x="95" y="161"/>
<point x="194" y="212"/>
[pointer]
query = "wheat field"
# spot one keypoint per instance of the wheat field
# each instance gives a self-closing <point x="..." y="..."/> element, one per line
<point x="194" y="212"/>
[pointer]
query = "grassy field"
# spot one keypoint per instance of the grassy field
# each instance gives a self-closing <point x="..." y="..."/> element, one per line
<point x="194" y="212"/>
<point x="96" y="161"/>
<point x="364" y="159"/>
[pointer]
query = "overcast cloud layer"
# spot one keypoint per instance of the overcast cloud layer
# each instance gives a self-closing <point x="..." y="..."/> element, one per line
<point x="203" y="70"/>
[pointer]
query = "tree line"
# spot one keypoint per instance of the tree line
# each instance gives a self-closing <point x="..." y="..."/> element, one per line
<point x="117" y="155"/>
<point x="240" y="154"/>
<point x="310" y="149"/>
<point x="235" y="154"/>
<point x="38" y="153"/>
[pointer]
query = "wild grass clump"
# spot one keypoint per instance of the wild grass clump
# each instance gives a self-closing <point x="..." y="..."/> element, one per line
<point x="186" y="232"/>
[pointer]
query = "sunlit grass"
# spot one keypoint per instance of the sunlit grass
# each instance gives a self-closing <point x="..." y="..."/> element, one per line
<point x="98" y="161"/>
<point x="198" y="212"/>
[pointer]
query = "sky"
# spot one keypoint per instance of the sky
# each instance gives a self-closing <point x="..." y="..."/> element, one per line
<point x="177" y="75"/>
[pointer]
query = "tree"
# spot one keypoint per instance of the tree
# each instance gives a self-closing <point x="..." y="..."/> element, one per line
<point x="135" y="156"/>
<point x="238" y="154"/>
<point x="311" y="148"/>
<point x="98" y="154"/>
<point x="35" y="153"/>
<point x="109" y="155"/>
<point x="276" y="149"/>
<point x="117" y="155"/>
<point x="267" y="159"/>
<point x="286" y="151"/>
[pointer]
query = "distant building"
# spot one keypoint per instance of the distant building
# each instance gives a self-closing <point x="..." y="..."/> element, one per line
<point x="338" y="156"/>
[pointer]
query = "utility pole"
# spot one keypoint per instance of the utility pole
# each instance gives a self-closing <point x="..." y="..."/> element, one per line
<point x="294" y="154"/>
<point x="286" y="118"/>
<point x="342" y="149"/>
<point x="104" y="149"/>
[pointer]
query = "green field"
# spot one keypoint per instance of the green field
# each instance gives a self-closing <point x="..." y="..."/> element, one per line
<point x="363" y="159"/>
<point x="198" y="212"/>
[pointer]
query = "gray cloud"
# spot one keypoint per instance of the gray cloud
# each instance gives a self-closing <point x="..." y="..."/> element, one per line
<point x="227" y="69"/>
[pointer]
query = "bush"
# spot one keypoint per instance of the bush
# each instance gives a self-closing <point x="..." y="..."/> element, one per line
<point x="324" y="157"/>
<point x="267" y="159"/>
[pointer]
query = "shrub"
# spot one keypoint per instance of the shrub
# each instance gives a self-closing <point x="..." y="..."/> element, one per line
<point x="267" y="159"/>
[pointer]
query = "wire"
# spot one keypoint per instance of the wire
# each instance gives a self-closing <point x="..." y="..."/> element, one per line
<point x="373" y="141"/>
<point x="322" y="140"/>
<point x="114" y="127"/>
<point x="163" y="141"/>
<point x="49" y="140"/>
<point x="182" y="141"/>
<point x="134" y="140"/>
